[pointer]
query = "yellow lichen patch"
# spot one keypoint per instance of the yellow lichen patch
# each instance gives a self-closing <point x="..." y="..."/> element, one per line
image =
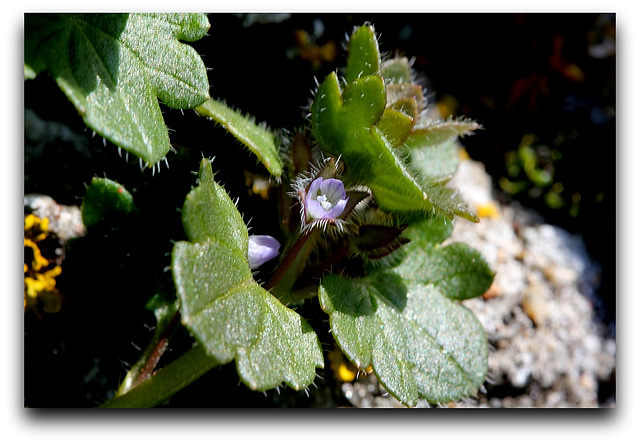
<point x="35" y="228"/>
<point x="43" y="287"/>
<point x="40" y="292"/>
<point x="343" y="370"/>
<point x="39" y="261"/>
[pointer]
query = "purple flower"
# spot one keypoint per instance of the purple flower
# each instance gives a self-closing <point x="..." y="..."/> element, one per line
<point x="261" y="250"/>
<point x="326" y="199"/>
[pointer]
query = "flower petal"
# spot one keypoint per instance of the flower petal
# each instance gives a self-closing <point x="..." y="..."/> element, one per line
<point x="314" y="209"/>
<point x="261" y="250"/>
<point x="314" y="188"/>
<point x="333" y="189"/>
<point x="337" y="209"/>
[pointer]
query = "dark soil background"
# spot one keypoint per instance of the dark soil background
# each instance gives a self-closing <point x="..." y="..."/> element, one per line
<point x="516" y="74"/>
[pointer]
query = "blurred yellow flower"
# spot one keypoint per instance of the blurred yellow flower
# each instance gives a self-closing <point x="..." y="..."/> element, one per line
<point x="343" y="370"/>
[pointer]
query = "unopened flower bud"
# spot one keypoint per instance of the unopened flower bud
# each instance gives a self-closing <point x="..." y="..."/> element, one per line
<point x="261" y="250"/>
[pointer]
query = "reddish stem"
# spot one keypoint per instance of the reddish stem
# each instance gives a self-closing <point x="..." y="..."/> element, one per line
<point x="158" y="350"/>
<point x="288" y="260"/>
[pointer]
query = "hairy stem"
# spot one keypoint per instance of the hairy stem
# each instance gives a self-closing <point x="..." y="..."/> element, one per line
<point x="158" y="349"/>
<point x="152" y="354"/>
<point x="166" y="382"/>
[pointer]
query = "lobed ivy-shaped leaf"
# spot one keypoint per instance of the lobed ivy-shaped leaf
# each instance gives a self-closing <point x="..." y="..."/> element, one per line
<point x="115" y="67"/>
<point x="222" y="305"/>
<point x="259" y="139"/>
<point x="405" y="323"/>
<point x="373" y="121"/>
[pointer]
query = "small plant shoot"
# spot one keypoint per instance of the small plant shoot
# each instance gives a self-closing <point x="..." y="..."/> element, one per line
<point x="362" y="210"/>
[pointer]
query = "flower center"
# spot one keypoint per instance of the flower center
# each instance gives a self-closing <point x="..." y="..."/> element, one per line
<point x="325" y="202"/>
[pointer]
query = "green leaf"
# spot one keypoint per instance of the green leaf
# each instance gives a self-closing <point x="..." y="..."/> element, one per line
<point x="438" y="131"/>
<point x="419" y="343"/>
<point x="397" y="70"/>
<point x="429" y="231"/>
<point x="397" y="93"/>
<point x="364" y="56"/>
<point x="433" y="151"/>
<point x="29" y="73"/>
<point x="457" y="269"/>
<point x="104" y="197"/>
<point x="354" y="122"/>
<point x="434" y="163"/>
<point x="115" y="67"/>
<point x="209" y="213"/>
<point x="226" y="310"/>
<point x="396" y="126"/>
<point x="259" y="139"/>
<point x="405" y="322"/>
